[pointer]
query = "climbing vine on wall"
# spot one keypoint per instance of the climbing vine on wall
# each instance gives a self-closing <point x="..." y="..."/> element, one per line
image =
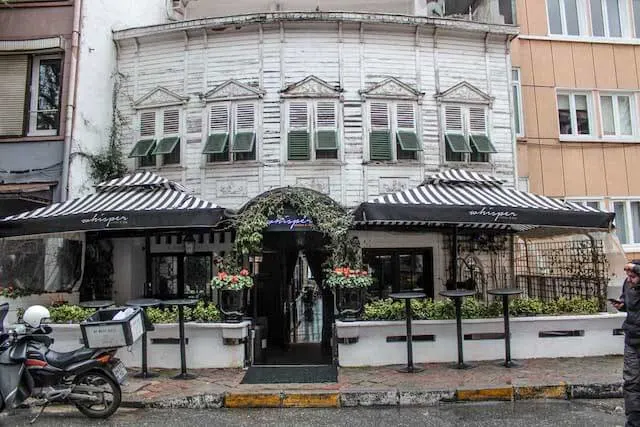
<point x="109" y="163"/>
<point x="329" y="218"/>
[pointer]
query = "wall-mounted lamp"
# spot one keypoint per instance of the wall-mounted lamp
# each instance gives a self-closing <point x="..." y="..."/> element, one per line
<point x="255" y="260"/>
<point x="189" y="244"/>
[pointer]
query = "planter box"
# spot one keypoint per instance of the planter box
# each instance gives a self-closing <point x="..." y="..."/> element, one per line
<point x="379" y="343"/>
<point x="40" y="299"/>
<point x="210" y="345"/>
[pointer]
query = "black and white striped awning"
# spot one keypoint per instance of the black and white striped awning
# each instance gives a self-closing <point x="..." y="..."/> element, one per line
<point x="470" y="199"/>
<point x="139" y="201"/>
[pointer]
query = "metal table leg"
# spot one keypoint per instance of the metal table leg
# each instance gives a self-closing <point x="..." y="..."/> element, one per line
<point x="145" y="372"/>
<point x="183" y="356"/>
<point x="458" y="304"/>
<point x="409" y="314"/>
<point x="507" y="334"/>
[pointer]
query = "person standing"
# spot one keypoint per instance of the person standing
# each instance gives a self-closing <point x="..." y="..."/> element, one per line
<point x="630" y="303"/>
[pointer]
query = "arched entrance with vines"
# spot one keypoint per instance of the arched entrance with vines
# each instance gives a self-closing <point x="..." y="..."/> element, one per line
<point x="299" y="233"/>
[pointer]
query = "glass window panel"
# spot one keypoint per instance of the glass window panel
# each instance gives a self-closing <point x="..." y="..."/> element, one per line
<point x="515" y="75"/>
<point x="624" y="110"/>
<point x="516" y="108"/>
<point x="582" y="114"/>
<point x="635" y="221"/>
<point x="48" y="94"/>
<point x="613" y="18"/>
<point x="608" y="120"/>
<point x="564" y="115"/>
<point x="408" y="274"/>
<point x="636" y="17"/>
<point x="571" y="16"/>
<point x="594" y="205"/>
<point x="555" y="21"/>
<point x="597" y="20"/>
<point x="381" y="271"/>
<point x="621" y="222"/>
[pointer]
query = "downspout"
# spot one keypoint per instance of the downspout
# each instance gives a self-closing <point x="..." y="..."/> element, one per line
<point x="71" y="99"/>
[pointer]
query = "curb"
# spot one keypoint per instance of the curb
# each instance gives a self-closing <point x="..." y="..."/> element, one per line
<point x="380" y="397"/>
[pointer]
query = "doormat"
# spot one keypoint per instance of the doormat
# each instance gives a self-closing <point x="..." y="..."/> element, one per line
<point x="291" y="374"/>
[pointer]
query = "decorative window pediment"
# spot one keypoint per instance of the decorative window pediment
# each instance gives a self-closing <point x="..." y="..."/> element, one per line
<point x="311" y="87"/>
<point x="160" y="97"/>
<point x="466" y="93"/>
<point x="232" y="90"/>
<point x="392" y="88"/>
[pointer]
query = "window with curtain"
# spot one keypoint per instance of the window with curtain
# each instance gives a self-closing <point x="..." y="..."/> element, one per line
<point x="608" y="17"/>
<point x="617" y="117"/>
<point x="574" y="112"/>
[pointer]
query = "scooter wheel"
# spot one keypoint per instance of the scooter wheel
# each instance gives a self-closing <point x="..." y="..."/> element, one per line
<point x="110" y="395"/>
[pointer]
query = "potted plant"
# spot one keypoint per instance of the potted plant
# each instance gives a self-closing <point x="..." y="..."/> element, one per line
<point x="231" y="283"/>
<point x="349" y="286"/>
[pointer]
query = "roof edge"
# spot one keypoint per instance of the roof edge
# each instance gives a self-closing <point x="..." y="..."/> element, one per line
<point x="355" y="17"/>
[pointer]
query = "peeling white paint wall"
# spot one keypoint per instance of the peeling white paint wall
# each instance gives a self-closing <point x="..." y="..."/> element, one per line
<point x="355" y="56"/>
<point x="97" y="67"/>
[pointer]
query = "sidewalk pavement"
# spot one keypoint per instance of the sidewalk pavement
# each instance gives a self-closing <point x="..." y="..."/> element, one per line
<point x="567" y="378"/>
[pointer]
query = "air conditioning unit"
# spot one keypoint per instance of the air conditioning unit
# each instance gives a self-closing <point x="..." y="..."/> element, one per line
<point x="435" y="8"/>
<point x="176" y="9"/>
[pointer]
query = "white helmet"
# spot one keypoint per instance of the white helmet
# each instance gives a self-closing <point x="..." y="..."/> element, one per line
<point x="34" y="315"/>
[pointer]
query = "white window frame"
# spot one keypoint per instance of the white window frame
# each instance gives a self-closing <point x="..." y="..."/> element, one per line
<point x="602" y="205"/>
<point x="313" y="127"/>
<point x="232" y="128"/>
<point x="634" y="244"/>
<point x="392" y="109"/>
<point x="574" y="121"/>
<point x="159" y="134"/>
<point x="517" y="86"/>
<point x="623" y="6"/>
<point x="616" y="115"/>
<point x="466" y="131"/>
<point x="34" y="95"/>
<point x="582" y="8"/>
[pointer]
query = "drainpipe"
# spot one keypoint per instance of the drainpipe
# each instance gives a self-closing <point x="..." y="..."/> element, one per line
<point x="71" y="99"/>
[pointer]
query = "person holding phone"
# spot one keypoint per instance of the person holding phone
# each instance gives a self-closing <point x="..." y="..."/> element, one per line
<point x="630" y="302"/>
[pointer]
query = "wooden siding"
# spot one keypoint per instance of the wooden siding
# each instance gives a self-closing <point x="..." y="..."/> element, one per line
<point x="352" y="56"/>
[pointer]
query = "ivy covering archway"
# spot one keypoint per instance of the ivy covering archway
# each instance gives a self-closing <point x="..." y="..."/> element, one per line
<point x="328" y="217"/>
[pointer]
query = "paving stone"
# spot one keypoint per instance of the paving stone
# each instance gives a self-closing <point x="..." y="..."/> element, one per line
<point x="364" y="397"/>
<point x="425" y="398"/>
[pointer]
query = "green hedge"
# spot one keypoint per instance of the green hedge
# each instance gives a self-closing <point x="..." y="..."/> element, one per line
<point x="388" y="309"/>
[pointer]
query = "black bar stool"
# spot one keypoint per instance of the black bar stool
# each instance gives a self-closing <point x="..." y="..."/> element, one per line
<point x="505" y="293"/>
<point x="181" y="303"/>
<point x="457" y="295"/>
<point x="143" y="303"/>
<point x="407" y="297"/>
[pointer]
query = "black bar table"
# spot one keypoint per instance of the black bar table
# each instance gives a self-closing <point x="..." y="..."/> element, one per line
<point x="407" y="297"/>
<point x="505" y="293"/>
<point x="97" y="304"/>
<point x="143" y="303"/>
<point x="457" y="295"/>
<point x="181" y="303"/>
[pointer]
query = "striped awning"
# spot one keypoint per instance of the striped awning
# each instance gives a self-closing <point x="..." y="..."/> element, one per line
<point x="138" y="201"/>
<point x="470" y="199"/>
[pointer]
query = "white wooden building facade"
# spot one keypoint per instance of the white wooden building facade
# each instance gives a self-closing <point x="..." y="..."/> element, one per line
<point x="351" y="104"/>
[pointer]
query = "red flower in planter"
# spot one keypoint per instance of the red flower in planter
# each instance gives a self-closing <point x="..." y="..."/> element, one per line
<point x="234" y="279"/>
<point x="244" y="272"/>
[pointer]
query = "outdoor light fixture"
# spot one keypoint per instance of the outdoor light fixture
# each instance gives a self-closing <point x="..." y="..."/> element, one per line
<point x="189" y="244"/>
<point x="255" y="260"/>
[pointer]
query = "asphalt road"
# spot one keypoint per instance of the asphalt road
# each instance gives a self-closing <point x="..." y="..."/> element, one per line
<point x="581" y="413"/>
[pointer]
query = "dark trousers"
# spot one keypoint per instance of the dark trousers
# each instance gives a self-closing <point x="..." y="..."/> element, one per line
<point x="631" y="391"/>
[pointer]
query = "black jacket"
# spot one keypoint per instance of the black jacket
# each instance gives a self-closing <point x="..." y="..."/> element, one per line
<point x="631" y="326"/>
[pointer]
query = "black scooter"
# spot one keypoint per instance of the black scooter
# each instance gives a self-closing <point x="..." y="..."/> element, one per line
<point x="87" y="378"/>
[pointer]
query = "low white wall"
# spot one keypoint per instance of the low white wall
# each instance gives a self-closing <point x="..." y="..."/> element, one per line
<point x="372" y="348"/>
<point x="205" y="348"/>
<point x="46" y="299"/>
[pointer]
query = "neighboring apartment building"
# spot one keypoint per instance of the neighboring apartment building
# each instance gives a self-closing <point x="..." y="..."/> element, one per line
<point x="36" y="74"/>
<point x="576" y="85"/>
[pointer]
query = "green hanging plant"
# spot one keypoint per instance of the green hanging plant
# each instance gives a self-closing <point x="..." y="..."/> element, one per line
<point x="328" y="217"/>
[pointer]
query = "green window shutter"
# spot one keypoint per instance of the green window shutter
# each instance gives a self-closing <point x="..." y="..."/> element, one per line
<point x="408" y="140"/>
<point x="380" y="145"/>
<point x="298" y="145"/>
<point x="166" y="145"/>
<point x="326" y="140"/>
<point x="142" y="148"/>
<point x="482" y="144"/>
<point x="457" y="143"/>
<point x="216" y="143"/>
<point x="243" y="142"/>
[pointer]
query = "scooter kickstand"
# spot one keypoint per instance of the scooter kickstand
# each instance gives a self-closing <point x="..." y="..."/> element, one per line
<point x="39" y="413"/>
